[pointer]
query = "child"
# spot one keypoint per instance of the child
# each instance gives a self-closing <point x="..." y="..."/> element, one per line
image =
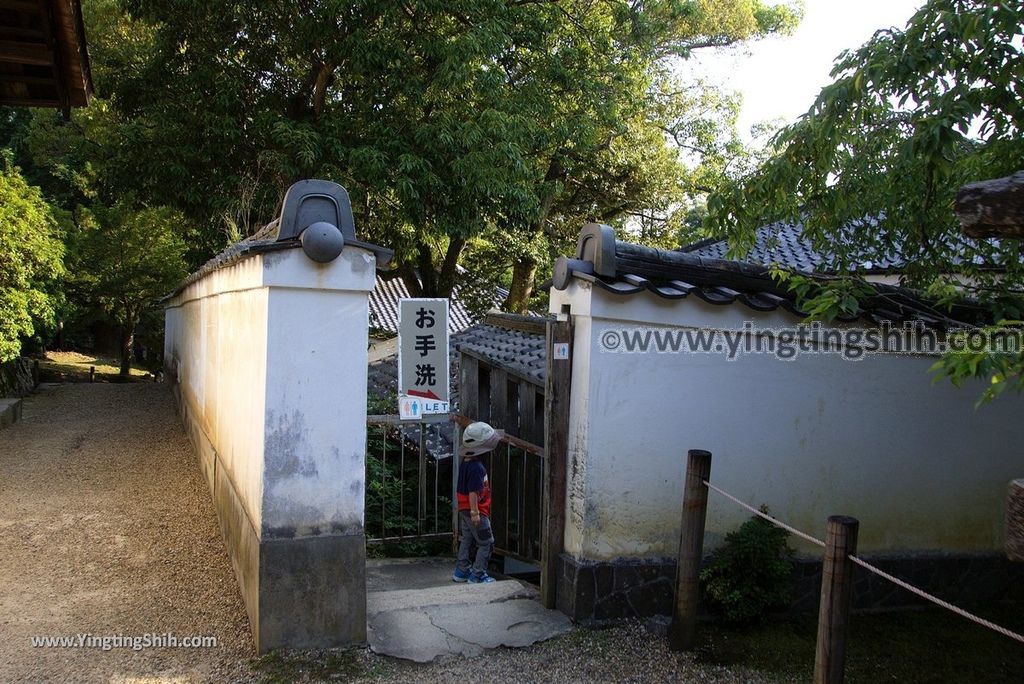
<point x="474" y="498"/>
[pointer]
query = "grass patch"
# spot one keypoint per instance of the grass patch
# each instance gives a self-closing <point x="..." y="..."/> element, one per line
<point x="343" y="664"/>
<point x="930" y="645"/>
<point x="75" y="366"/>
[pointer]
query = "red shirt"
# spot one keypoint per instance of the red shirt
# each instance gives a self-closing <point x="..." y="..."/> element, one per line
<point x="473" y="478"/>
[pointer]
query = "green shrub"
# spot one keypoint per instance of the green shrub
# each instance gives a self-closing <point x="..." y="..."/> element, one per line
<point x="751" y="574"/>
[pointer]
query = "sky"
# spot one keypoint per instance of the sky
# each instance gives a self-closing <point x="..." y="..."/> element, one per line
<point x="779" y="77"/>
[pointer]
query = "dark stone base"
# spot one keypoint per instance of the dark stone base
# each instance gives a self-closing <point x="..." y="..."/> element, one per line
<point x="301" y="592"/>
<point x="312" y="592"/>
<point x="594" y="592"/>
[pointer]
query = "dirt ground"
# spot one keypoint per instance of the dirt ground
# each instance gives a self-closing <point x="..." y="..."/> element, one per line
<point x="107" y="529"/>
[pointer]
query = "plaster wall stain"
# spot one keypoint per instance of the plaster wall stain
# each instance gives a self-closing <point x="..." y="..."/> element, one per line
<point x="272" y="259"/>
<point x="287" y="448"/>
<point x="294" y="502"/>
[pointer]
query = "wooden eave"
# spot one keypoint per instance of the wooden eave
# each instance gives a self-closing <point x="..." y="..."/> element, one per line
<point x="43" y="57"/>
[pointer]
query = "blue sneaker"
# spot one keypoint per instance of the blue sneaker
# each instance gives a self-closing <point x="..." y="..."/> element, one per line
<point x="482" y="578"/>
<point x="460" y="575"/>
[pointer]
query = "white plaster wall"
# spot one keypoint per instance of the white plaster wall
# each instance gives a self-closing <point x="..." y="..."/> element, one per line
<point x="316" y="393"/>
<point x="216" y="333"/>
<point x="875" y="439"/>
<point x="271" y="359"/>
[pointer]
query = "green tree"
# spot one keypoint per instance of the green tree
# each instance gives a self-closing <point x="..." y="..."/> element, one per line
<point x="872" y="168"/>
<point x="31" y="254"/>
<point x="611" y="146"/>
<point x="445" y="119"/>
<point x="122" y="261"/>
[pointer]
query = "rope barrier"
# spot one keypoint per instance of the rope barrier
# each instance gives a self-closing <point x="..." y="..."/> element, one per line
<point x="937" y="601"/>
<point x="871" y="568"/>
<point x="774" y="521"/>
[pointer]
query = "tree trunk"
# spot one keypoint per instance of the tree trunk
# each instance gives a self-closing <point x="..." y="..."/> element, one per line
<point x="127" y="342"/>
<point x="524" y="272"/>
<point x="437" y="282"/>
<point x="450" y="267"/>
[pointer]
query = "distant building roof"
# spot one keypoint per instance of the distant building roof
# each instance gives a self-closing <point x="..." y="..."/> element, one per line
<point x="466" y="306"/>
<point x="784" y="244"/>
<point x="623" y="268"/>
<point x="43" y="57"/>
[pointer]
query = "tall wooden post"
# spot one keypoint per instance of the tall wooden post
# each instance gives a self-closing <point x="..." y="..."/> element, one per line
<point x="421" y="484"/>
<point x="691" y="550"/>
<point x="456" y="463"/>
<point x="836" y="590"/>
<point x="556" y="448"/>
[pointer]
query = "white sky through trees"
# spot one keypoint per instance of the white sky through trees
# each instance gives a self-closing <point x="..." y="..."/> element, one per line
<point x="779" y="77"/>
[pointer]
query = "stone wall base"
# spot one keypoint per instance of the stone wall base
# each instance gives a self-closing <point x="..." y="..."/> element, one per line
<point x="10" y="411"/>
<point x="17" y="378"/>
<point x="594" y="592"/>
<point x="302" y="592"/>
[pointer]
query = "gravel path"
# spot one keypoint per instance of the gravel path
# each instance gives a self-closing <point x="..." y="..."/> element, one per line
<point x="107" y="528"/>
<point x="624" y="653"/>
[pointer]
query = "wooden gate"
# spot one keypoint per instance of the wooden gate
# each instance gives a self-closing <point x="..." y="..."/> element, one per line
<point x="408" y="476"/>
<point x="528" y="470"/>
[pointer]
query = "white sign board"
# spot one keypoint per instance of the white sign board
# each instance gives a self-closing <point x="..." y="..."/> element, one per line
<point x="423" y="373"/>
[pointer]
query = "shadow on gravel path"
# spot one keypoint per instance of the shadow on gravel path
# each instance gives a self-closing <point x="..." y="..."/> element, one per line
<point x="107" y="529"/>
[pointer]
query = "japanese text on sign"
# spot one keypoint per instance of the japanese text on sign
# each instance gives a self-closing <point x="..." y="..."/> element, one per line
<point x="422" y="357"/>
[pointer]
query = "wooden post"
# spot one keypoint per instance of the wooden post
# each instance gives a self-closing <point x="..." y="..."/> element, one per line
<point x="92" y="373"/>
<point x="556" y="448"/>
<point x="691" y="550"/>
<point x="421" y="484"/>
<point x="456" y="462"/>
<point x="836" y="589"/>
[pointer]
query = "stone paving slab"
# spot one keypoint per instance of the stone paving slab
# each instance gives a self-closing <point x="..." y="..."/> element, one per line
<point x="10" y="411"/>
<point x="451" y="593"/>
<point x="432" y="619"/>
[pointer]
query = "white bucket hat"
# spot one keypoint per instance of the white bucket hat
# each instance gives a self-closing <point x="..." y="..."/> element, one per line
<point x="479" y="438"/>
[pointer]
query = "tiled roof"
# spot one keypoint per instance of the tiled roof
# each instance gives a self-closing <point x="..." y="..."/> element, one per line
<point x="624" y="268"/>
<point x="784" y="244"/>
<point x="262" y="241"/>
<point x="521" y="351"/>
<point x="389" y="290"/>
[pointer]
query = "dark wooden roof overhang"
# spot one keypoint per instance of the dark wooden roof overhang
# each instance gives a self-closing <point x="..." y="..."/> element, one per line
<point x="993" y="208"/>
<point x="43" y="57"/>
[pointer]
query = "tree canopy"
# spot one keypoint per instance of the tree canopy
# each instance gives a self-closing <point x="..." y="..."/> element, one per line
<point x="31" y="253"/>
<point x="475" y="131"/>
<point x="873" y="167"/>
<point x="445" y="120"/>
<point x="122" y="260"/>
